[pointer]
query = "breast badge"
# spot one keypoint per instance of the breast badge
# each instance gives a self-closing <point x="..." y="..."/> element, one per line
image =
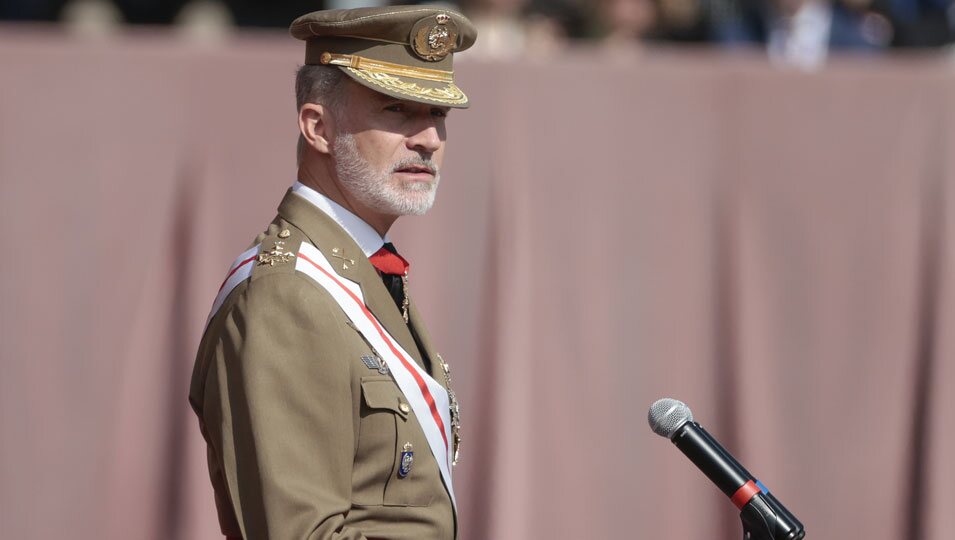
<point x="407" y="460"/>
<point x="374" y="362"/>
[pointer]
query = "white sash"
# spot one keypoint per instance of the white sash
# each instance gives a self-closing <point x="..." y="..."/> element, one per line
<point x="428" y="399"/>
<point x="240" y="270"/>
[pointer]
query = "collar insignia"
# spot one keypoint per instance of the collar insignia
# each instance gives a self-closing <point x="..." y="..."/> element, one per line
<point x="338" y="253"/>
<point x="276" y="255"/>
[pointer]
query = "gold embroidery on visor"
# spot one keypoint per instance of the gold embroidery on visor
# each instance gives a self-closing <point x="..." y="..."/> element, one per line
<point x="388" y="68"/>
<point x="450" y="94"/>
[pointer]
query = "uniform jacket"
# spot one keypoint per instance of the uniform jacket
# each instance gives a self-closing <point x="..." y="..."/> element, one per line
<point x="304" y="439"/>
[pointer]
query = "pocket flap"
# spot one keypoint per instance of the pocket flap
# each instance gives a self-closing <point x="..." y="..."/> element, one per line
<point x="384" y="394"/>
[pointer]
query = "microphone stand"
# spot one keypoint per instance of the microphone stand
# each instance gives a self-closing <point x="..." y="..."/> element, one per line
<point x="765" y="519"/>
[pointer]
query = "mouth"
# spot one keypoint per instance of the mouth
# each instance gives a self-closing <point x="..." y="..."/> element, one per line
<point x="416" y="170"/>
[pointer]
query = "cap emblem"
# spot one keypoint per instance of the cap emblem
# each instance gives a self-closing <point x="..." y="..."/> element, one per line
<point x="435" y="37"/>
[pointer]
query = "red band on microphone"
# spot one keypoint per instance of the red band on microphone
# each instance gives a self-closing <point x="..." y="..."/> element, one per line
<point x="744" y="494"/>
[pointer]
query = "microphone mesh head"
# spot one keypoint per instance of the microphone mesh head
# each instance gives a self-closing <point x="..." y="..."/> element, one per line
<point x="667" y="415"/>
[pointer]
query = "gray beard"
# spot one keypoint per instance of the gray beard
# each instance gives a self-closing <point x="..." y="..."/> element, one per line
<point x="376" y="189"/>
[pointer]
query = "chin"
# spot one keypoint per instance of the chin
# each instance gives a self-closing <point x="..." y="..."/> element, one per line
<point x="410" y="198"/>
<point x="409" y="203"/>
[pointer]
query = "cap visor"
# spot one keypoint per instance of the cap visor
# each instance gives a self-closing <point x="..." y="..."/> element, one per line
<point x="442" y="94"/>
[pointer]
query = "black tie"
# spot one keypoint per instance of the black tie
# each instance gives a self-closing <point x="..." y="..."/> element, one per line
<point x="393" y="281"/>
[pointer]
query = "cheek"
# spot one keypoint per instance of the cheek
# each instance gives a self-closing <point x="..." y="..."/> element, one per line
<point x="438" y="156"/>
<point x="380" y="149"/>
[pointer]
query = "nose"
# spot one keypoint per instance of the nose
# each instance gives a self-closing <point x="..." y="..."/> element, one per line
<point x="427" y="140"/>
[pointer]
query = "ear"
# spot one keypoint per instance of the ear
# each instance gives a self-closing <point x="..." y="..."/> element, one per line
<point x="315" y="123"/>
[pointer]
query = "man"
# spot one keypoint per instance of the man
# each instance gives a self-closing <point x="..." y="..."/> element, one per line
<point x="326" y="411"/>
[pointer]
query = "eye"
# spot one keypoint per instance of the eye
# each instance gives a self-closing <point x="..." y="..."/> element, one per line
<point x="440" y="113"/>
<point x="395" y="107"/>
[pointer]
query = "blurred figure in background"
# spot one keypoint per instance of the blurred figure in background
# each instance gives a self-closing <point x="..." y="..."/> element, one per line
<point x="514" y="28"/>
<point x="271" y="14"/>
<point x="256" y="13"/>
<point x="636" y="21"/>
<point x="204" y="20"/>
<point x="149" y="11"/>
<point x="801" y="33"/>
<point x="683" y="21"/>
<point x="30" y="10"/>
<point x="921" y="23"/>
<point x="794" y="32"/>
<point x="91" y="18"/>
<point x="735" y="22"/>
<point x="621" y="22"/>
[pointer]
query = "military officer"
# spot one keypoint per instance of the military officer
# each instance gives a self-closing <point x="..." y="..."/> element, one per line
<point x="325" y="409"/>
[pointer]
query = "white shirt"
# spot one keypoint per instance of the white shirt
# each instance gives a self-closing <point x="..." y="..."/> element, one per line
<point x="362" y="233"/>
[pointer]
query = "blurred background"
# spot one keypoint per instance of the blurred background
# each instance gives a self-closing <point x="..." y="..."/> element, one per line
<point x="793" y="31"/>
<point x="746" y="205"/>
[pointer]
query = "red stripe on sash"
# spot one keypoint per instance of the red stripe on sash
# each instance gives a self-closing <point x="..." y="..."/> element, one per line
<point x="236" y="269"/>
<point x="428" y="398"/>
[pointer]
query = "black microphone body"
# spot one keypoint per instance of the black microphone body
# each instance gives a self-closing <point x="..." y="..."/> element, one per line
<point x="711" y="458"/>
<point x="763" y="517"/>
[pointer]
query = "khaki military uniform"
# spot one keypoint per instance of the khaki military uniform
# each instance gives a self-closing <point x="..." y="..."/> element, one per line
<point x="304" y="438"/>
<point x="308" y="437"/>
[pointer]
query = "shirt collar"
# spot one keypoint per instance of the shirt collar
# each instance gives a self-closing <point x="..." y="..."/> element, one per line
<point x="362" y="233"/>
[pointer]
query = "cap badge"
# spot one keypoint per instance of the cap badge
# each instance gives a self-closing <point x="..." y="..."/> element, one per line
<point x="435" y="37"/>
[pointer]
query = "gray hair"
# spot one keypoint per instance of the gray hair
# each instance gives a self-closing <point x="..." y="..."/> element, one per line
<point x="318" y="84"/>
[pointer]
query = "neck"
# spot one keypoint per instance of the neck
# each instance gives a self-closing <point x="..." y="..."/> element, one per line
<point x="321" y="177"/>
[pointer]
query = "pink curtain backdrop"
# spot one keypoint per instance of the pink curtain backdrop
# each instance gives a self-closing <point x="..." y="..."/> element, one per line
<point x="773" y="247"/>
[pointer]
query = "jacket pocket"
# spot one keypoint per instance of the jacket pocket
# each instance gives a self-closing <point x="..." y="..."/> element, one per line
<point x="387" y="428"/>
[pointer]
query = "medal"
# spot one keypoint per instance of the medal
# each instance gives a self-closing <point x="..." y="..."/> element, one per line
<point x="406" y="302"/>
<point x="455" y="413"/>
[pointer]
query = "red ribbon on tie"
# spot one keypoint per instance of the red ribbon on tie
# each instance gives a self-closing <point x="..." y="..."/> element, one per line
<point x="389" y="263"/>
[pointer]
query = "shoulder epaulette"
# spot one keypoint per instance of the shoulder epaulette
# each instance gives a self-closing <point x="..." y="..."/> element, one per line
<point x="274" y="251"/>
<point x="278" y="248"/>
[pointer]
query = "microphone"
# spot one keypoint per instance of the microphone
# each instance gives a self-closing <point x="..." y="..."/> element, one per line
<point x="763" y="516"/>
